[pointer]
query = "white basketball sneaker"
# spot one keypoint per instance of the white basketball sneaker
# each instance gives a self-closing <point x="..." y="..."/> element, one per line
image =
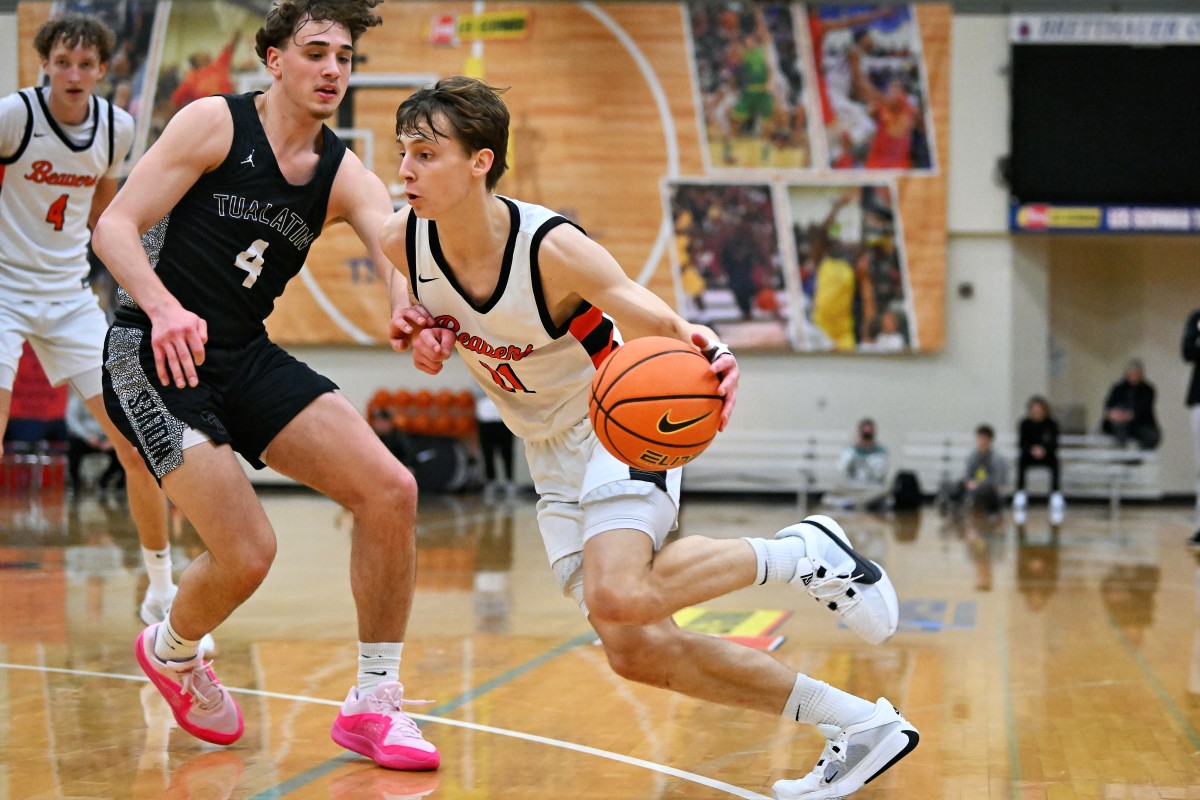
<point x="854" y="756"/>
<point x="155" y="607"/>
<point x="1020" y="505"/>
<point x="1058" y="508"/>
<point x="854" y="587"/>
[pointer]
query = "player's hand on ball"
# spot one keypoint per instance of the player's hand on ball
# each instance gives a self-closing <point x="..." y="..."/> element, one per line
<point x="724" y="365"/>
<point x="431" y="348"/>
<point x="654" y="403"/>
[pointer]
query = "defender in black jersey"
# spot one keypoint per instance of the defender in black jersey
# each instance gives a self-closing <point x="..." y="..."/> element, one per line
<point x="229" y="200"/>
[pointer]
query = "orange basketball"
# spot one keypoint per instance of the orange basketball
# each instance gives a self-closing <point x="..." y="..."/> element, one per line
<point x="654" y="403"/>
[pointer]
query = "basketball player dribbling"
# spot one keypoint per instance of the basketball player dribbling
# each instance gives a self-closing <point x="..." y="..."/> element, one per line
<point x="519" y="290"/>
<point x="61" y="150"/>
<point x="229" y="199"/>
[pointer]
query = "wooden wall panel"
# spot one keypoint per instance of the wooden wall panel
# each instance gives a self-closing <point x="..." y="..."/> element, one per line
<point x="923" y="198"/>
<point x="30" y="16"/>
<point x="589" y="140"/>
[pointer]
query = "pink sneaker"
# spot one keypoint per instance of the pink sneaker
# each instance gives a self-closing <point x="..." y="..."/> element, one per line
<point x="374" y="725"/>
<point x="201" y="705"/>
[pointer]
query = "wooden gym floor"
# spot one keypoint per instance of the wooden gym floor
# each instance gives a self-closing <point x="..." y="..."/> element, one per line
<point x="1036" y="666"/>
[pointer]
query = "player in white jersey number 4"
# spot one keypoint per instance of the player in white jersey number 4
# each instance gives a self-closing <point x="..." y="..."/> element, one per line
<point x="61" y="150"/>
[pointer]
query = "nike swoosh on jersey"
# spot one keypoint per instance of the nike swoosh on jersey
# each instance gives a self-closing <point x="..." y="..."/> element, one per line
<point x="423" y="279"/>
<point x="666" y="425"/>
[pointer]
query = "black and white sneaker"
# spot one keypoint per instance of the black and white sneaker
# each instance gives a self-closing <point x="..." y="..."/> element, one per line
<point x="849" y="584"/>
<point x="854" y="756"/>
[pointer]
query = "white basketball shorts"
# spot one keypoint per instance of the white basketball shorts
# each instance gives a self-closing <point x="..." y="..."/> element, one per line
<point x="67" y="334"/>
<point x="583" y="491"/>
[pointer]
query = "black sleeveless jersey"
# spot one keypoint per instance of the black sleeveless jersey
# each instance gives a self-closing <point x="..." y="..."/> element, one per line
<point x="230" y="245"/>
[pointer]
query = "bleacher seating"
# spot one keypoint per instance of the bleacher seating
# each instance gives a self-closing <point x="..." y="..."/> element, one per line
<point x="32" y="465"/>
<point x="804" y="463"/>
<point x="1092" y="465"/>
<point x="1096" y="467"/>
<point x="772" y="462"/>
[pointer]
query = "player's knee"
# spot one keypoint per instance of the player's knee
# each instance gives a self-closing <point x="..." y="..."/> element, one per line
<point x="637" y="660"/>
<point x="621" y="602"/>
<point x="255" y="572"/>
<point x="403" y="487"/>
<point x="251" y="563"/>
<point x="394" y="489"/>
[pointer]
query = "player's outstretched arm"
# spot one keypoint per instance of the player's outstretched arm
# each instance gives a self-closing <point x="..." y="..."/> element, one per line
<point x="574" y="267"/>
<point x="360" y="198"/>
<point x="195" y="141"/>
<point x="106" y="190"/>
<point x="409" y="317"/>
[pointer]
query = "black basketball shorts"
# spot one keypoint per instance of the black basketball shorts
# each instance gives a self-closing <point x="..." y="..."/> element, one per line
<point x="245" y="397"/>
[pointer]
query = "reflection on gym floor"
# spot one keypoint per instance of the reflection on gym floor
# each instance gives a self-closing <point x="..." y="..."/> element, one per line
<point x="1037" y="660"/>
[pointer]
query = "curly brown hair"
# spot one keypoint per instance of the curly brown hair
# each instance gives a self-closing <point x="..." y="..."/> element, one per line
<point x="73" y="30"/>
<point x="288" y="15"/>
<point x="477" y="117"/>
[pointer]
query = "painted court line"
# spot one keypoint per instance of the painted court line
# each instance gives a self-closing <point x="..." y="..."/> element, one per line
<point x="1156" y="685"/>
<point x="328" y="767"/>
<point x="1010" y="716"/>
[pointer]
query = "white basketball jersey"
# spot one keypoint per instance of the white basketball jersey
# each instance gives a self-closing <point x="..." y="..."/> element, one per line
<point x="538" y="374"/>
<point x="46" y="186"/>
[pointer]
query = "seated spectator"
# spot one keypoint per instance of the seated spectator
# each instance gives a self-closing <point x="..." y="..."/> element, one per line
<point x="863" y="473"/>
<point x="1190" y="350"/>
<point x="84" y="437"/>
<point x="1037" y="443"/>
<point x="1129" y="409"/>
<point x="984" y="480"/>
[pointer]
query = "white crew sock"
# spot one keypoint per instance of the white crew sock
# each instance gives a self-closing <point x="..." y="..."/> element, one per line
<point x="170" y="646"/>
<point x="819" y="703"/>
<point x="158" y="567"/>
<point x="378" y="662"/>
<point x="776" y="558"/>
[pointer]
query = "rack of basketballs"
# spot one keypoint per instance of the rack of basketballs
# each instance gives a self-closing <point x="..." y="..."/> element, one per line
<point x="424" y="412"/>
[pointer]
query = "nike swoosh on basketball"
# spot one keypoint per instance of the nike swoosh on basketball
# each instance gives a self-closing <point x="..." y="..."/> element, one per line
<point x="423" y="279"/>
<point x="665" y="425"/>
